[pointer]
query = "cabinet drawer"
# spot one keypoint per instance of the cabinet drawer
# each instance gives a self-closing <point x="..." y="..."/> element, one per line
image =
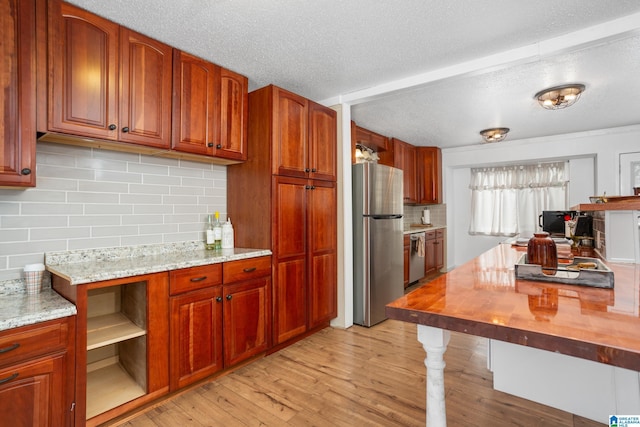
<point x="245" y="269"/>
<point x="430" y="235"/>
<point x="31" y="341"/>
<point x="439" y="233"/>
<point x="189" y="279"/>
<point x="407" y="240"/>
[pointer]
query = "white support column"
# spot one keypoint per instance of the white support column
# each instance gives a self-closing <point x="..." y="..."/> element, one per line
<point x="435" y="341"/>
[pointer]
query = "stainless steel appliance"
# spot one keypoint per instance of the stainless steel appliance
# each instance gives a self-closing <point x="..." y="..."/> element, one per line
<point x="378" y="260"/>
<point x="416" y="256"/>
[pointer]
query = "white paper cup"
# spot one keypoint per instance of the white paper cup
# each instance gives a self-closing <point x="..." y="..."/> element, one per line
<point x="33" y="277"/>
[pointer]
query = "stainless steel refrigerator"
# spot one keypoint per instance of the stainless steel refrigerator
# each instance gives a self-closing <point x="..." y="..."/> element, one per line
<point x="378" y="260"/>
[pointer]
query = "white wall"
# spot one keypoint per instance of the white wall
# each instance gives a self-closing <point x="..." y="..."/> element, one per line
<point x="91" y="198"/>
<point x="593" y="170"/>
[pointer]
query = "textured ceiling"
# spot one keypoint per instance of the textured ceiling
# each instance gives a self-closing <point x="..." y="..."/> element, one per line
<point x="429" y="72"/>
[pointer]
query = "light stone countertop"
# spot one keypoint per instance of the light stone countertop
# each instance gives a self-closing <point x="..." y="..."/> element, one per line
<point x="17" y="308"/>
<point x="419" y="229"/>
<point x="89" y="271"/>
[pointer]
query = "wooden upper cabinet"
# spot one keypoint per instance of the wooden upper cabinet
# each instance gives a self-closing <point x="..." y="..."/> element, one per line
<point x="290" y="134"/>
<point x="106" y="81"/>
<point x="234" y="106"/>
<point x="405" y="159"/>
<point x="145" y="82"/>
<point x="18" y="84"/>
<point x="305" y="137"/>
<point x="210" y="108"/>
<point x="371" y="140"/>
<point x="322" y="142"/>
<point x="196" y="104"/>
<point x="429" y="167"/>
<point x="83" y="77"/>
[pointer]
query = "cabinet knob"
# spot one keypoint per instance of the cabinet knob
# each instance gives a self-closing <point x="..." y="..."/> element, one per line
<point x="219" y="146"/>
<point x="26" y="171"/>
<point x="125" y="129"/>
<point x="307" y="170"/>
<point x="218" y="299"/>
<point x="113" y="127"/>
<point x="9" y="348"/>
<point x="210" y="144"/>
<point x="313" y="169"/>
<point x="229" y="297"/>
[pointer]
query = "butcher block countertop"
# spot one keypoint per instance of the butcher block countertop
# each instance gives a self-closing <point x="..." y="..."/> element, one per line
<point x="483" y="298"/>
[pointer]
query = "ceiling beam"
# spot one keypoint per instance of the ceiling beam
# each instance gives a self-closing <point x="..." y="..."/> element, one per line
<point x="597" y="34"/>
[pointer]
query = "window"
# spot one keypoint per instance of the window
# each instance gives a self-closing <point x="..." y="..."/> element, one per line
<point x="507" y="200"/>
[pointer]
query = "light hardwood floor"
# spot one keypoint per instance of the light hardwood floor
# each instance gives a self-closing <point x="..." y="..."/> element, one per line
<point x="355" y="377"/>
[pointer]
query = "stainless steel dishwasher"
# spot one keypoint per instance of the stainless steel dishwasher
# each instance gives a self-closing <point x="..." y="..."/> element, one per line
<point x="416" y="256"/>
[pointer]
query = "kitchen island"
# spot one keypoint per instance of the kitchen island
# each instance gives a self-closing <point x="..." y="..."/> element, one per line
<point x="483" y="298"/>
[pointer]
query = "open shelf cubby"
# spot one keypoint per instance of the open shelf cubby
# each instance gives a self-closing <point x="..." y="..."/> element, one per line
<point x="116" y="346"/>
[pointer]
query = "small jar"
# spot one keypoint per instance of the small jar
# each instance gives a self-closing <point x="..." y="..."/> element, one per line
<point x="541" y="250"/>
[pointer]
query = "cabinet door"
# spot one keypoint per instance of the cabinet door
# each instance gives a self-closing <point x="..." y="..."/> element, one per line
<point x="322" y="142"/>
<point x="31" y="394"/>
<point x="145" y="81"/>
<point x="18" y="105"/>
<point x="196" y="104"/>
<point x="233" y="116"/>
<point x="323" y="232"/>
<point x="196" y="336"/>
<point x="83" y="85"/>
<point x="430" y="254"/>
<point x="429" y="173"/>
<point x="246" y="319"/>
<point x="405" y="158"/>
<point x="290" y="117"/>
<point x="289" y="257"/>
<point x="439" y="250"/>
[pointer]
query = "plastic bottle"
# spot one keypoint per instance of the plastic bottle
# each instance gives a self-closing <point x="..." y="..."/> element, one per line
<point x="209" y="241"/>
<point x="217" y="232"/>
<point x="227" y="234"/>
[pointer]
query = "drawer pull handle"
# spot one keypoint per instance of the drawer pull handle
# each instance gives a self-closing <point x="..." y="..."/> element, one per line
<point x="198" y="279"/>
<point x="8" y="349"/>
<point x="9" y="378"/>
<point x="249" y="270"/>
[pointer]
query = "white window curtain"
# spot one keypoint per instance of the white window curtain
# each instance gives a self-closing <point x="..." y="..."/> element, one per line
<point x="507" y="200"/>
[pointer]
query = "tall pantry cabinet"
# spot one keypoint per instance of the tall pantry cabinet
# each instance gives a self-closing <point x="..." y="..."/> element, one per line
<point x="284" y="198"/>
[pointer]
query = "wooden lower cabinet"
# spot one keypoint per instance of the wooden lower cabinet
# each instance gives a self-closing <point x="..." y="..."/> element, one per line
<point x="221" y="324"/>
<point x="196" y="336"/>
<point x="434" y="252"/>
<point x="37" y="374"/>
<point x="122" y="359"/>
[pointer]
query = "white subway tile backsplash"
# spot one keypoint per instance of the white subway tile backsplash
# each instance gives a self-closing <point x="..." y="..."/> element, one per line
<point x="103" y="187"/>
<point x="91" y="198"/>
<point x="59" y="233"/>
<point x="93" y="220"/>
<point x="33" y="221"/>
<point x="95" y="209"/>
<point x="149" y="189"/>
<point x="14" y="235"/>
<point x="110" y="176"/>
<point x="114" y="231"/>
<point x="51" y="209"/>
<point x="88" y="197"/>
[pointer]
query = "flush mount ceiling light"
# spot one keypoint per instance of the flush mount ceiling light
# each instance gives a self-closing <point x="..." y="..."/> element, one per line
<point x="494" y="134"/>
<point x="559" y="97"/>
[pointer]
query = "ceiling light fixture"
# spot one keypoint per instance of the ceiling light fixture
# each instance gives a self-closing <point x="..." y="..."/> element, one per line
<point x="494" y="134"/>
<point x="558" y="97"/>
